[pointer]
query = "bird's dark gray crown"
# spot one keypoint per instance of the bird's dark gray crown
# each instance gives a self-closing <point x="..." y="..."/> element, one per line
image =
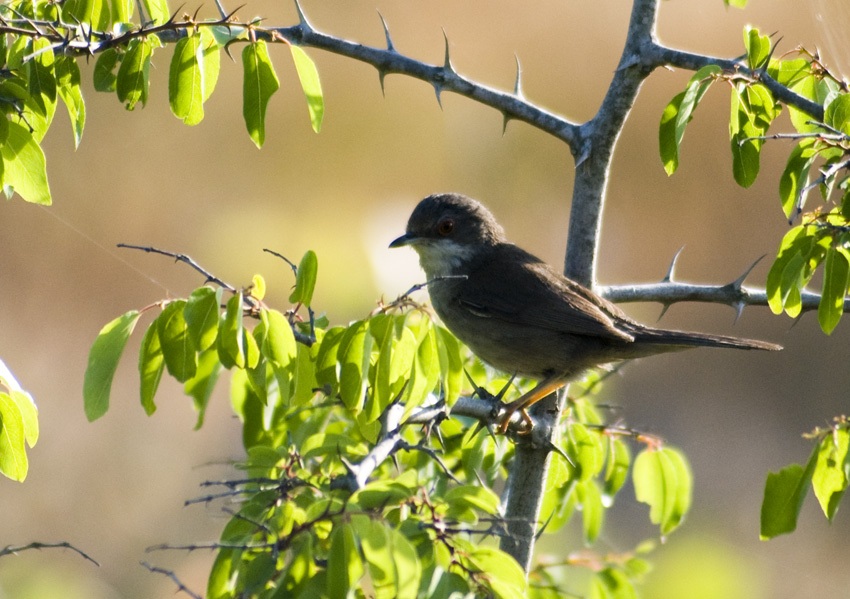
<point x="472" y="222"/>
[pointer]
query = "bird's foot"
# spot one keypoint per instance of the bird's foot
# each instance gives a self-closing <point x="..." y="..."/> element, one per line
<point x="507" y="417"/>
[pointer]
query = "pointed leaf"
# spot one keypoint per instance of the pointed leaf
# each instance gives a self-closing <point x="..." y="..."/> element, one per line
<point x="24" y="167"/>
<point x="178" y="349"/>
<point x="13" y="454"/>
<point x="151" y="365"/>
<point x="202" y="315"/>
<point x="830" y="477"/>
<point x="305" y="279"/>
<point x="784" y="492"/>
<point x="134" y="74"/>
<point x="186" y="81"/>
<point x="836" y="275"/>
<point x="259" y="84"/>
<point x="201" y="386"/>
<point x="68" y="82"/>
<point x="103" y="361"/>
<point x="309" y="77"/>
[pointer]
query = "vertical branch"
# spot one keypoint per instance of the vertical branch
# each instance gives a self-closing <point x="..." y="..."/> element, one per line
<point x="598" y="136"/>
<point x="593" y="150"/>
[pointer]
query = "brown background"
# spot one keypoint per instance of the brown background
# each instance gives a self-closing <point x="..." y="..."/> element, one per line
<point x="117" y="486"/>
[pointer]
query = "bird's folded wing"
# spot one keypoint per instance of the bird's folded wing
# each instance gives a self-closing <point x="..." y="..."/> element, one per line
<point x="538" y="296"/>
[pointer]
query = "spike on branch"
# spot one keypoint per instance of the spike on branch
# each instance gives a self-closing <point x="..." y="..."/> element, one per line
<point x="386" y="27"/>
<point x="447" y="63"/>
<point x="302" y="18"/>
<point x="671" y="271"/>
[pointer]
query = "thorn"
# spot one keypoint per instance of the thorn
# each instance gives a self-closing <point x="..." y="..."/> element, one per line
<point x="302" y="18"/>
<point x="505" y="119"/>
<point x="669" y="276"/>
<point x="664" y="307"/>
<point x="390" y="45"/>
<point x="518" y="83"/>
<point x="507" y="386"/>
<point x="381" y="75"/>
<point x="739" y="309"/>
<point x="438" y="89"/>
<point x="737" y="283"/>
<point x="447" y="63"/>
<point x="562" y="453"/>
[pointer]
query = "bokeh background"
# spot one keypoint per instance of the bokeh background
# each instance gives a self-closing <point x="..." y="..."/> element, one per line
<point x="116" y="487"/>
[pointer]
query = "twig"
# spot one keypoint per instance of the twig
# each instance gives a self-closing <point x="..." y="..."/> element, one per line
<point x="170" y="574"/>
<point x="11" y="549"/>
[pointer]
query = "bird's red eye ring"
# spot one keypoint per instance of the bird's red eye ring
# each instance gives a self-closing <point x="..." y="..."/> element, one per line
<point x="445" y="227"/>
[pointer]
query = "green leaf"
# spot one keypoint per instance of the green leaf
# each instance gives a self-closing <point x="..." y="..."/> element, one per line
<point x="758" y="47"/>
<point x="610" y="583"/>
<point x="355" y="350"/>
<point x="259" y="84"/>
<point x="795" y="178"/>
<point x="276" y="340"/>
<point x="662" y="479"/>
<point x="679" y="113"/>
<point x="451" y="365"/>
<point x="202" y="315"/>
<point x="736" y="3"/>
<point x="42" y="80"/>
<point x="103" y="361"/>
<point x="505" y="578"/>
<point x="201" y="386"/>
<point x="309" y="77"/>
<point x="133" y="79"/>
<point x="26" y="404"/>
<point x="394" y="361"/>
<point x="186" y="81"/>
<point x="68" y="87"/>
<point x="180" y="353"/>
<point x="13" y="454"/>
<point x="231" y="334"/>
<point x="795" y="242"/>
<point x="407" y="566"/>
<point x="836" y="271"/>
<point x="211" y="54"/>
<point x="466" y="501"/>
<point x="105" y="79"/>
<point x="151" y="365"/>
<point x="586" y="447"/>
<point x="617" y="469"/>
<point x="122" y="10"/>
<point x="24" y="167"/>
<point x="830" y="476"/>
<point x="157" y="11"/>
<point x="784" y="492"/>
<point x="592" y="510"/>
<point x="345" y="568"/>
<point x="789" y="72"/>
<point x="837" y="113"/>
<point x="93" y="12"/>
<point x="305" y="279"/>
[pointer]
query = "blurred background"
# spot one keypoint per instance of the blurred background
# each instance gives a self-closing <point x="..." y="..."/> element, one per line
<point x="117" y="486"/>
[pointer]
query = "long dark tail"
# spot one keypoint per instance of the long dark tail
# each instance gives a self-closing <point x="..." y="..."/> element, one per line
<point x="682" y="339"/>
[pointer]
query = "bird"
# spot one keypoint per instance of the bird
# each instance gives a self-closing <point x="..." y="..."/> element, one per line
<point x="519" y="314"/>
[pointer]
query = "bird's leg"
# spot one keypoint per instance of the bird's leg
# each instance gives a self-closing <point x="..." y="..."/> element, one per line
<point x="548" y="385"/>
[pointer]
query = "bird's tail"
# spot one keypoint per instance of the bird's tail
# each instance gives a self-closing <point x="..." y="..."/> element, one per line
<point x="683" y="339"/>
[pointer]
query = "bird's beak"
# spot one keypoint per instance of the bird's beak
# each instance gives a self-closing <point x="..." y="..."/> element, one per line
<point x="406" y="239"/>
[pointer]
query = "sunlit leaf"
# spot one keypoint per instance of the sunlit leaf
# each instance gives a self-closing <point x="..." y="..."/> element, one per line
<point x="259" y="84"/>
<point x="784" y="492"/>
<point x="309" y="77"/>
<point x="103" y="361"/>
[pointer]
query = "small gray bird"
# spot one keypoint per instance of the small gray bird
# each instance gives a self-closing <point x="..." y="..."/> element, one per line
<point x="519" y="314"/>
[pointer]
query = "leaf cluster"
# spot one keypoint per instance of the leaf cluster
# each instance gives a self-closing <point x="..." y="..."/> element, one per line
<point x="41" y="42"/>
<point x="18" y="425"/>
<point x="363" y="474"/>
<point x="821" y="241"/>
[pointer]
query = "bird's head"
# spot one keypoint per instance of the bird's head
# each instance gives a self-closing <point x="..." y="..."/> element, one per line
<point x="447" y="231"/>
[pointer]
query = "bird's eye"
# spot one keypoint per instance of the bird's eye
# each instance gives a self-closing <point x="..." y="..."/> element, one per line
<point x="445" y="227"/>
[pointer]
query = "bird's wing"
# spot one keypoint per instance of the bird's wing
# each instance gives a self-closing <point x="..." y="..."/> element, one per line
<point x="537" y="296"/>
